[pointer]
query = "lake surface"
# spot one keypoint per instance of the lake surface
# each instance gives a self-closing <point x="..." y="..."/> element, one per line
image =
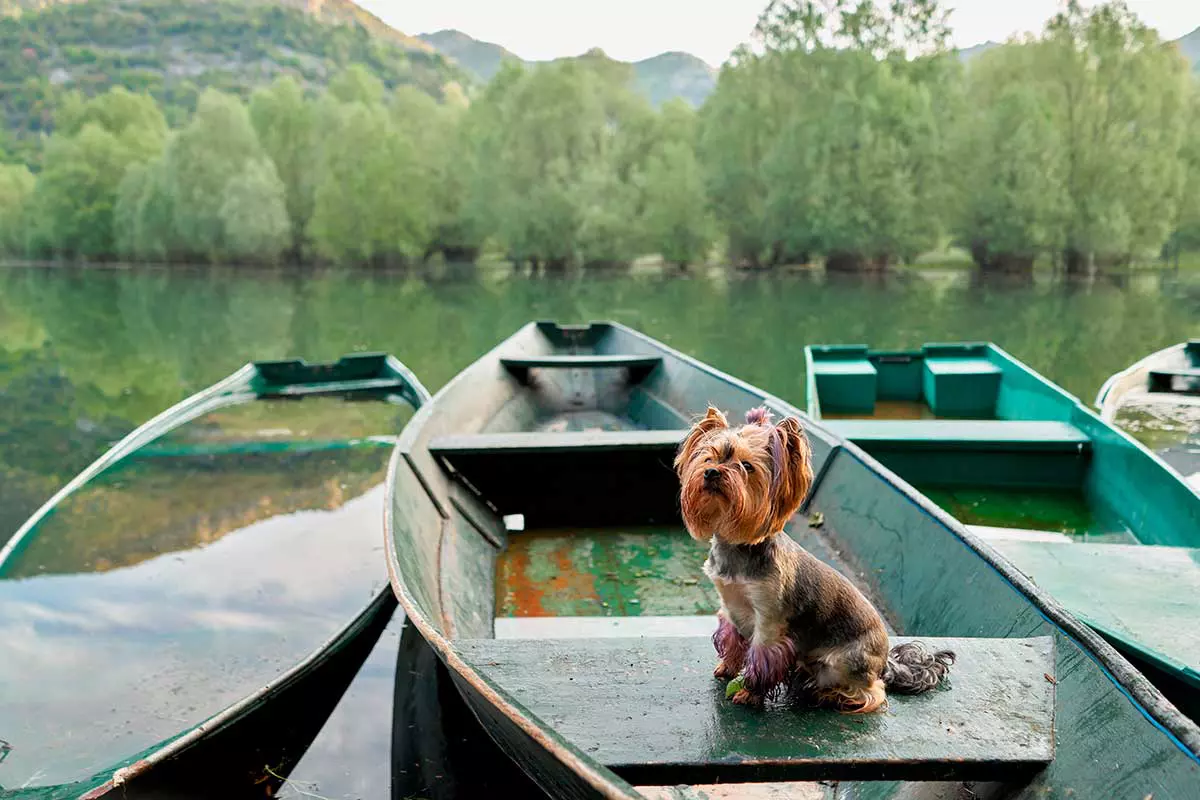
<point x="86" y="355"/>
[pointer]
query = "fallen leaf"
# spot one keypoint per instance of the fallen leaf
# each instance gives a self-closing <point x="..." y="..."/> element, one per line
<point x="1047" y="676"/>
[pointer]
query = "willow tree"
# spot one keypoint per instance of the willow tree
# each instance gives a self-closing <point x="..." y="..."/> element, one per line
<point x="1119" y="97"/>
<point x="180" y="207"/>
<point x="371" y="204"/>
<point x="678" y="224"/>
<point x="285" y="123"/>
<point x="560" y="160"/>
<point x="16" y="186"/>
<point x="1009" y="176"/>
<point x="83" y="165"/>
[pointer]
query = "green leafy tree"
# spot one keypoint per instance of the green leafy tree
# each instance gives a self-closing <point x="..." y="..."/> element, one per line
<point x="217" y="146"/>
<point x="738" y="126"/>
<point x="678" y="224"/>
<point x="372" y="201"/>
<point x="1119" y="97"/>
<point x="1009" y="179"/>
<point x="16" y="187"/>
<point x="83" y="165"/>
<point x="286" y="126"/>
<point x="256" y="223"/>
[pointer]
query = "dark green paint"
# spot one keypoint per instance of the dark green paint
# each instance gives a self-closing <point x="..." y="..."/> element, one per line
<point x="1072" y="473"/>
<point x="922" y="569"/>
<point x="1146" y="596"/>
<point x="650" y="710"/>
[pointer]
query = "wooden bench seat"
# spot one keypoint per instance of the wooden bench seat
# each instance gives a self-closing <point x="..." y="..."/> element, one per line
<point x="537" y="442"/>
<point x="638" y="366"/>
<point x="650" y="709"/>
<point x="999" y="453"/>
<point x="1144" y="597"/>
<point x="1163" y="380"/>
<point x="973" y="434"/>
<point x="553" y="478"/>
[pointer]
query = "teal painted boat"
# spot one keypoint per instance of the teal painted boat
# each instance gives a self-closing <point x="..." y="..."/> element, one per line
<point x="206" y="566"/>
<point x="1157" y="400"/>
<point x="1080" y="506"/>
<point x="534" y="540"/>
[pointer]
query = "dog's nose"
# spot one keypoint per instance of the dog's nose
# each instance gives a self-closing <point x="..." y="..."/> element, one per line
<point x="711" y="474"/>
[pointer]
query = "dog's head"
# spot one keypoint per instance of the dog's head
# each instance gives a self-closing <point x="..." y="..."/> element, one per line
<point x="742" y="484"/>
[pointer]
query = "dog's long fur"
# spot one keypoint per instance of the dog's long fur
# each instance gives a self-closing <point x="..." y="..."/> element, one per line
<point x="786" y="618"/>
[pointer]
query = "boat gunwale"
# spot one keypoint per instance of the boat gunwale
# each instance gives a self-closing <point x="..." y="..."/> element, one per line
<point x="1146" y="698"/>
<point x="241" y="387"/>
<point x="1107" y="397"/>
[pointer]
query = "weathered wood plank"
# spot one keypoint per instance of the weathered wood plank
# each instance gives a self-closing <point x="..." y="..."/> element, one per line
<point x="538" y="442"/>
<point x="1144" y="596"/>
<point x="650" y="709"/>
<point x="638" y="366"/>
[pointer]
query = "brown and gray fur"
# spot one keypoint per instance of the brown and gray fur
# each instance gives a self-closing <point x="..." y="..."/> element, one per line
<point x="786" y="618"/>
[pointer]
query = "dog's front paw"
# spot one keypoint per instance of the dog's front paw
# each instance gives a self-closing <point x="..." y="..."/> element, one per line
<point x="724" y="671"/>
<point x="746" y="698"/>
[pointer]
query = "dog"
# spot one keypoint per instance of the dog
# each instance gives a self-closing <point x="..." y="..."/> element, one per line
<point x="787" y="620"/>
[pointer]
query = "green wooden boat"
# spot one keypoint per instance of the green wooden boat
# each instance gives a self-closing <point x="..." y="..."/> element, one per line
<point x="202" y="568"/>
<point x="1081" y="507"/>
<point x="534" y="540"/>
<point x="1157" y="400"/>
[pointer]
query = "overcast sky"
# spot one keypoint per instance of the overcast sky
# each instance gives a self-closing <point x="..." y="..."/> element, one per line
<point x="636" y="29"/>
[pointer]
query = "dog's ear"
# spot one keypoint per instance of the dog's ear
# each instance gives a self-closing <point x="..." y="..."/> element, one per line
<point x="795" y="476"/>
<point x="714" y="420"/>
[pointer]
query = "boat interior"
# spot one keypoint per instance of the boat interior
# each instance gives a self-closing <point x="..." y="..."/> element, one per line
<point x="119" y="638"/>
<point x="1077" y="504"/>
<point x="1181" y="374"/>
<point x="536" y="531"/>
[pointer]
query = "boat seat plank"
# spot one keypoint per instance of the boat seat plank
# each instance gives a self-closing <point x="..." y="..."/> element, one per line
<point x="638" y="366"/>
<point x="961" y="366"/>
<point x="552" y="478"/>
<point x="1146" y="597"/>
<point x="650" y="709"/>
<point x="541" y="442"/>
<point x="1037" y="435"/>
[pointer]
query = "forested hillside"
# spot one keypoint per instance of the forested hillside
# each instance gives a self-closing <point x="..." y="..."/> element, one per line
<point x="856" y="139"/>
<point x="174" y="49"/>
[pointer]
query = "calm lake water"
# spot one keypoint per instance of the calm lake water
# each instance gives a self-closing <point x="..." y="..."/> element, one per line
<point x="86" y="355"/>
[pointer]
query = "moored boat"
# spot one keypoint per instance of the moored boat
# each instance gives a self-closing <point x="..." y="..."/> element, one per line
<point x="534" y="539"/>
<point x="1157" y="400"/>
<point x="1081" y="507"/>
<point x="203" y="567"/>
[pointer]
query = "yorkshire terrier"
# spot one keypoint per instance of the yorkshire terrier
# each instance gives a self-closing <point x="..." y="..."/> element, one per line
<point x="786" y="618"/>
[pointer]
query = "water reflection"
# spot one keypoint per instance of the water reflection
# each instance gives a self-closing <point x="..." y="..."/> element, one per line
<point x="178" y="584"/>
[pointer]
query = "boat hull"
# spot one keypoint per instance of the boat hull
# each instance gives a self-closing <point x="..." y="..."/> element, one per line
<point x="929" y="575"/>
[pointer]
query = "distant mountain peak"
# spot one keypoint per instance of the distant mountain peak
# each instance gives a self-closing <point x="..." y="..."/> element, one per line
<point x="660" y="78"/>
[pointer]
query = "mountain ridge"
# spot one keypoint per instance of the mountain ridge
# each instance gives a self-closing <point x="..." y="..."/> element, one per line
<point x="660" y="78"/>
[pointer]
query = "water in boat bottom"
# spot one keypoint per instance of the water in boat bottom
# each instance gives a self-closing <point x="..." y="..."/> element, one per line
<point x="1167" y="424"/>
<point x="624" y="572"/>
<point x="1057" y="510"/>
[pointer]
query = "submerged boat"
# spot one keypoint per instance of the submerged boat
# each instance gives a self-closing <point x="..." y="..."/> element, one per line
<point x="1086" y="511"/>
<point x="205" y="566"/>
<point x="1157" y="400"/>
<point x="534" y="540"/>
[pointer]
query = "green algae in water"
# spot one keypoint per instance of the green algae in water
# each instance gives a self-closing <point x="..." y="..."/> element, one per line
<point x="1059" y="510"/>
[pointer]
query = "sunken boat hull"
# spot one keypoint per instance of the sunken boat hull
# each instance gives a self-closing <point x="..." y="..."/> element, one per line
<point x="534" y="542"/>
<point x="213" y="576"/>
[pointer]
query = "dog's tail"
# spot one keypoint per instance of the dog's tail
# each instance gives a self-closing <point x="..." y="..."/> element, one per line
<point x="911" y="669"/>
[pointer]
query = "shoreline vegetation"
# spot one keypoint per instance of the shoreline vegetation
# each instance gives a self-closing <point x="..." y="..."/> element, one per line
<point x="845" y="134"/>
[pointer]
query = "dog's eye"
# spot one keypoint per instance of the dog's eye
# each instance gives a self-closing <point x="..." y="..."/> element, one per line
<point x="746" y="465"/>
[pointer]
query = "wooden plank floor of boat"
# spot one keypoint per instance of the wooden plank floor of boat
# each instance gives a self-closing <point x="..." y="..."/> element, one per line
<point x="649" y="708"/>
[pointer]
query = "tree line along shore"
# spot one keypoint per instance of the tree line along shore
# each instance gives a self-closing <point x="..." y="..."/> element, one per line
<point x="844" y="133"/>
